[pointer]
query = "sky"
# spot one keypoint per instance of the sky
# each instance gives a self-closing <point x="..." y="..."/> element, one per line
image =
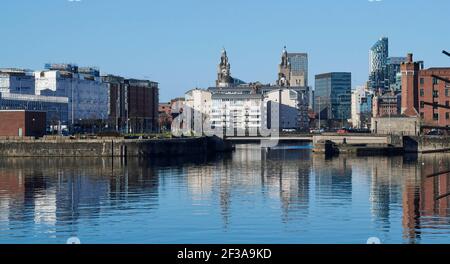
<point x="178" y="42"/>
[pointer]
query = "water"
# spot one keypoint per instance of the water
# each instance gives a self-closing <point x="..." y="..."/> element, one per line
<point x="285" y="195"/>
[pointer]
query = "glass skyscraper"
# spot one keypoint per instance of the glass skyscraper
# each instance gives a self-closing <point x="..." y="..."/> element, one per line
<point x="378" y="59"/>
<point x="332" y="96"/>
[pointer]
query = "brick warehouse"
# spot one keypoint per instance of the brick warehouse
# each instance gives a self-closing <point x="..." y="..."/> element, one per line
<point x="424" y="92"/>
<point x="133" y="104"/>
<point x="21" y="123"/>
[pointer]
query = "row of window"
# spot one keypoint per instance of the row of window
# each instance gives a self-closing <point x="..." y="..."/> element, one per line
<point x="436" y="116"/>
<point x="422" y="104"/>
<point x="435" y="93"/>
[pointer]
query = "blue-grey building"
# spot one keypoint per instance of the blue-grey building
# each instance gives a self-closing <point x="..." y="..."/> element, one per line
<point x="332" y="96"/>
<point x="378" y="59"/>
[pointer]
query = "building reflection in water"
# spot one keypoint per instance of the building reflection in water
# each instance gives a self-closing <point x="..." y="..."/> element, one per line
<point x="59" y="192"/>
<point x="422" y="205"/>
<point x="288" y="181"/>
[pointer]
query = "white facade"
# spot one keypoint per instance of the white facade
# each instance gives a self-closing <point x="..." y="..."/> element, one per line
<point x="88" y="95"/>
<point x="243" y="112"/>
<point x="292" y="108"/>
<point x="361" y="106"/>
<point x="196" y="111"/>
<point x="16" y="81"/>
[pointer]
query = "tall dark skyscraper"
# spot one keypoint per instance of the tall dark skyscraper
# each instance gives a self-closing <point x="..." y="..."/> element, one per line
<point x="378" y="60"/>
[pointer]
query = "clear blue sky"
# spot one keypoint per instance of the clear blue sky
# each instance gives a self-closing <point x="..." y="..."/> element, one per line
<point x="178" y="42"/>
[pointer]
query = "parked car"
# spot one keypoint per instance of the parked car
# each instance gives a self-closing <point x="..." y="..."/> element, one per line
<point x="342" y="131"/>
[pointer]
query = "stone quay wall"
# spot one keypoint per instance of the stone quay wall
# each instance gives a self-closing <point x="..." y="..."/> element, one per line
<point x="109" y="147"/>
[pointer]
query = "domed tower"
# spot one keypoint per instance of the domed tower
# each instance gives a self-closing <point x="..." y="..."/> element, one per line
<point x="224" y="78"/>
<point x="284" y="70"/>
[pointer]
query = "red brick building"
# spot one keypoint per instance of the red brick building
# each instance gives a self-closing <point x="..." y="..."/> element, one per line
<point x="425" y="93"/>
<point x="133" y="104"/>
<point x="21" y="123"/>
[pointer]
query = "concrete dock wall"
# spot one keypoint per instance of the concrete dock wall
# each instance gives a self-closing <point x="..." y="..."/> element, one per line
<point x="426" y="144"/>
<point x="64" y="147"/>
<point x="360" y="139"/>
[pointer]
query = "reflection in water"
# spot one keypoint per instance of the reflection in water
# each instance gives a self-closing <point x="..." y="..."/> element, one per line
<point x="255" y="195"/>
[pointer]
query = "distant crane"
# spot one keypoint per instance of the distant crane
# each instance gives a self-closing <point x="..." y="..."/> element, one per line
<point x="446" y="53"/>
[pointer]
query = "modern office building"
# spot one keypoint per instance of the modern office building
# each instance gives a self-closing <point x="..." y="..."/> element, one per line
<point x="332" y="96"/>
<point x="88" y="95"/>
<point x="133" y="104"/>
<point x="426" y="93"/>
<point x="361" y="107"/>
<point x="378" y="59"/>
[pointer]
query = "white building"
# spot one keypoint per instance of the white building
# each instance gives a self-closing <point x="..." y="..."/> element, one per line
<point x="245" y="110"/>
<point x="17" y="92"/>
<point x="88" y="95"/>
<point x="292" y="107"/>
<point x="361" y="107"/>
<point x="17" y="81"/>
<point x="240" y="112"/>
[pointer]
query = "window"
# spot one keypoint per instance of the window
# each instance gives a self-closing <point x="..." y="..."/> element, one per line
<point x="435" y="93"/>
<point x="447" y="115"/>
<point x="447" y="103"/>
<point x="422" y="81"/>
<point x="436" y="116"/>
<point x="447" y="92"/>
<point x="422" y="104"/>
<point x="422" y="115"/>
<point x="422" y="92"/>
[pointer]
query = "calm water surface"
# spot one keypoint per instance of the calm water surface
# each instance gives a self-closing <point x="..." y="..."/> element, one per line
<point x="285" y="195"/>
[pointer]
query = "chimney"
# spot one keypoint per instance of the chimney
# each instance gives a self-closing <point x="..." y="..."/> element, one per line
<point x="409" y="58"/>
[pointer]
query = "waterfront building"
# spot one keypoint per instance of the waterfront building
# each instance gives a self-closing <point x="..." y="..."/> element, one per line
<point x="22" y="123"/>
<point x="239" y="110"/>
<point x="56" y="108"/>
<point x="133" y="104"/>
<point x="292" y="108"/>
<point x="293" y="69"/>
<point x="426" y="93"/>
<point x="17" y="81"/>
<point x="378" y="58"/>
<point x="88" y="95"/>
<point x="332" y="97"/>
<point x="361" y="107"/>
<point x="250" y="108"/>
<point x="196" y="112"/>
<point x="236" y="108"/>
